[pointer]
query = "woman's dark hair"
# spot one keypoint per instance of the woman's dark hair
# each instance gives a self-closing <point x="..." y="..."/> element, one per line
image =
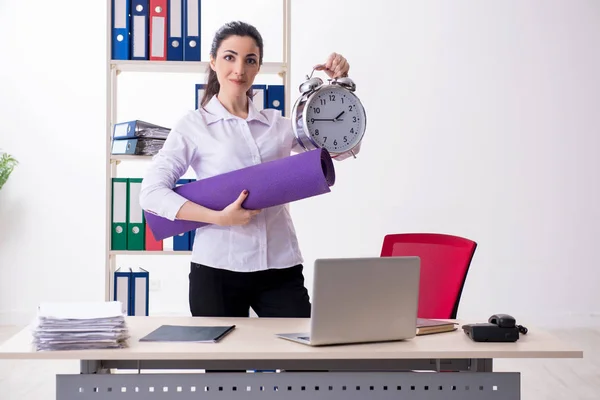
<point x="235" y="28"/>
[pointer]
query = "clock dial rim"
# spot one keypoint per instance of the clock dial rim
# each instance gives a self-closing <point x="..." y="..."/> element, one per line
<point x="361" y="111"/>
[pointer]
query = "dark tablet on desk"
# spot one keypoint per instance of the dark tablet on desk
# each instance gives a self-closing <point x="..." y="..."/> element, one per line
<point x="177" y="333"/>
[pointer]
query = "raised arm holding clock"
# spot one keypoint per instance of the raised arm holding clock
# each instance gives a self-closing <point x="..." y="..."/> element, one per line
<point x="330" y="116"/>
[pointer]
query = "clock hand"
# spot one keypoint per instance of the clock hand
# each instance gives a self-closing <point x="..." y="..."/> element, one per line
<point x="336" y="118"/>
<point x="317" y="119"/>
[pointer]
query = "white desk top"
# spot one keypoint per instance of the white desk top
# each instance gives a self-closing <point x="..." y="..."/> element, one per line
<point x="253" y="339"/>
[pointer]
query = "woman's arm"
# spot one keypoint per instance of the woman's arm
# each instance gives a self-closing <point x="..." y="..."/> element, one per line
<point x="336" y="66"/>
<point x="233" y="214"/>
<point x="191" y="211"/>
<point x="167" y="167"/>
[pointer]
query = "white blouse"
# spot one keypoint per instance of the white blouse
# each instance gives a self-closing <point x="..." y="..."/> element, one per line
<point x="212" y="141"/>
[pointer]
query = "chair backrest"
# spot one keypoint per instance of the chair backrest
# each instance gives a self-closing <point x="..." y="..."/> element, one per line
<point x="445" y="261"/>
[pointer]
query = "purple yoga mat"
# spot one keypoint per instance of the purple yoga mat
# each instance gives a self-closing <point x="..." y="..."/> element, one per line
<point x="269" y="184"/>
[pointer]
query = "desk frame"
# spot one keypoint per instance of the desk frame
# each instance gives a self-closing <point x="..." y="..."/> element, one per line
<point x="437" y="365"/>
<point x="418" y="379"/>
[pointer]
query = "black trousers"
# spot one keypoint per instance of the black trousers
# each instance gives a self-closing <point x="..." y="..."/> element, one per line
<point x="217" y="292"/>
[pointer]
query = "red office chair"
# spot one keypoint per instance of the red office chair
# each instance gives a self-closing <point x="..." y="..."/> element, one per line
<point x="445" y="261"/>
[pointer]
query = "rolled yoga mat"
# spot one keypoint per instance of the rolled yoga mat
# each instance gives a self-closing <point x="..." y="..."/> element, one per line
<point x="269" y="184"/>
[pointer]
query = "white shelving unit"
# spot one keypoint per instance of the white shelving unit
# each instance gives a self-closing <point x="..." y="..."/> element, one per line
<point x="182" y="66"/>
<point x="113" y="69"/>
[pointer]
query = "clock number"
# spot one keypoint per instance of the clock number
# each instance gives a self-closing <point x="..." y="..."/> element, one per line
<point x="335" y="142"/>
<point x="317" y="110"/>
<point x="345" y="139"/>
<point x="312" y="120"/>
<point x="323" y="101"/>
<point x="349" y="108"/>
<point x="342" y="100"/>
<point x="324" y="139"/>
<point x="332" y="97"/>
<point x="316" y="132"/>
<point x="351" y="130"/>
<point x="353" y="119"/>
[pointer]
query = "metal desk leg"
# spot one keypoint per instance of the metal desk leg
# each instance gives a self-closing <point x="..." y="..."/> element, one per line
<point x="481" y="365"/>
<point x="92" y="367"/>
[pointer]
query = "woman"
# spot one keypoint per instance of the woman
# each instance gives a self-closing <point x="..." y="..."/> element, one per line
<point x="244" y="258"/>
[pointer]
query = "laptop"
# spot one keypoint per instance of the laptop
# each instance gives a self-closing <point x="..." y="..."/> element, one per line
<point x="362" y="300"/>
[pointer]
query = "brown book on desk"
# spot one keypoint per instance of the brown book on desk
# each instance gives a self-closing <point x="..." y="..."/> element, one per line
<point x="430" y="326"/>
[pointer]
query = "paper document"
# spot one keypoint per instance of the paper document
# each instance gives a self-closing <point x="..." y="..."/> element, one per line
<point x="79" y="326"/>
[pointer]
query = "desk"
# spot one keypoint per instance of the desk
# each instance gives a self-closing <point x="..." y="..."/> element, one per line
<point x="441" y="366"/>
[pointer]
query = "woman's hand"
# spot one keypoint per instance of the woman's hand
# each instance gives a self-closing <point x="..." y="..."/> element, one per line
<point x="234" y="214"/>
<point x="335" y="67"/>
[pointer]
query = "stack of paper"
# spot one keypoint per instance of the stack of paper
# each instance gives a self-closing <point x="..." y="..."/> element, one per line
<point x="148" y="146"/>
<point x="79" y="326"/>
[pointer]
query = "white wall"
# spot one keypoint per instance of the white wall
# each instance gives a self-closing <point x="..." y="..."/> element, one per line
<point x="482" y="122"/>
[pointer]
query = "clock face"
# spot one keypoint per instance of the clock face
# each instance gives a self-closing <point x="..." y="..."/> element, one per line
<point x="335" y="119"/>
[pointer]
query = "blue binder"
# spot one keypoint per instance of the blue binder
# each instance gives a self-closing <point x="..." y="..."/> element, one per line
<point x="260" y="96"/>
<point x="122" y="289"/>
<point x="175" y="30"/>
<point x="192" y="238"/>
<point x="139" y="29"/>
<point x="276" y="97"/>
<point x="124" y="146"/>
<point x="192" y="232"/>
<point x="199" y="94"/>
<point x="136" y="128"/>
<point x="132" y="289"/>
<point x="120" y="30"/>
<point x="191" y="30"/>
<point x="181" y="242"/>
<point x="140" y="290"/>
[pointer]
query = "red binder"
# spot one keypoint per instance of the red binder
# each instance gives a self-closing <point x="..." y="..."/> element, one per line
<point x="151" y="242"/>
<point x="158" y="30"/>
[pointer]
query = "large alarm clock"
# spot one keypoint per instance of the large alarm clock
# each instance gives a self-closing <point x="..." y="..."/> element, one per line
<point x="329" y="116"/>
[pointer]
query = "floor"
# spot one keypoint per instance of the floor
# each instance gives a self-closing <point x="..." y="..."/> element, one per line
<point x="540" y="379"/>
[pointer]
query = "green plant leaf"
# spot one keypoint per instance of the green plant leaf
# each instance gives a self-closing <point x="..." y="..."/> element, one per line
<point x="7" y="164"/>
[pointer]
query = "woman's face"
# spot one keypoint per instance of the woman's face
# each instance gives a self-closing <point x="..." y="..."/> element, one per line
<point x="236" y="65"/>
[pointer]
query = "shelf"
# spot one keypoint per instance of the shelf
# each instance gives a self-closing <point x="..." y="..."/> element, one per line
<point x="181" y="66"/>
<point x="117" y="165"/>
<point x="114" y="158"/>
<point x="148" y="253"/>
